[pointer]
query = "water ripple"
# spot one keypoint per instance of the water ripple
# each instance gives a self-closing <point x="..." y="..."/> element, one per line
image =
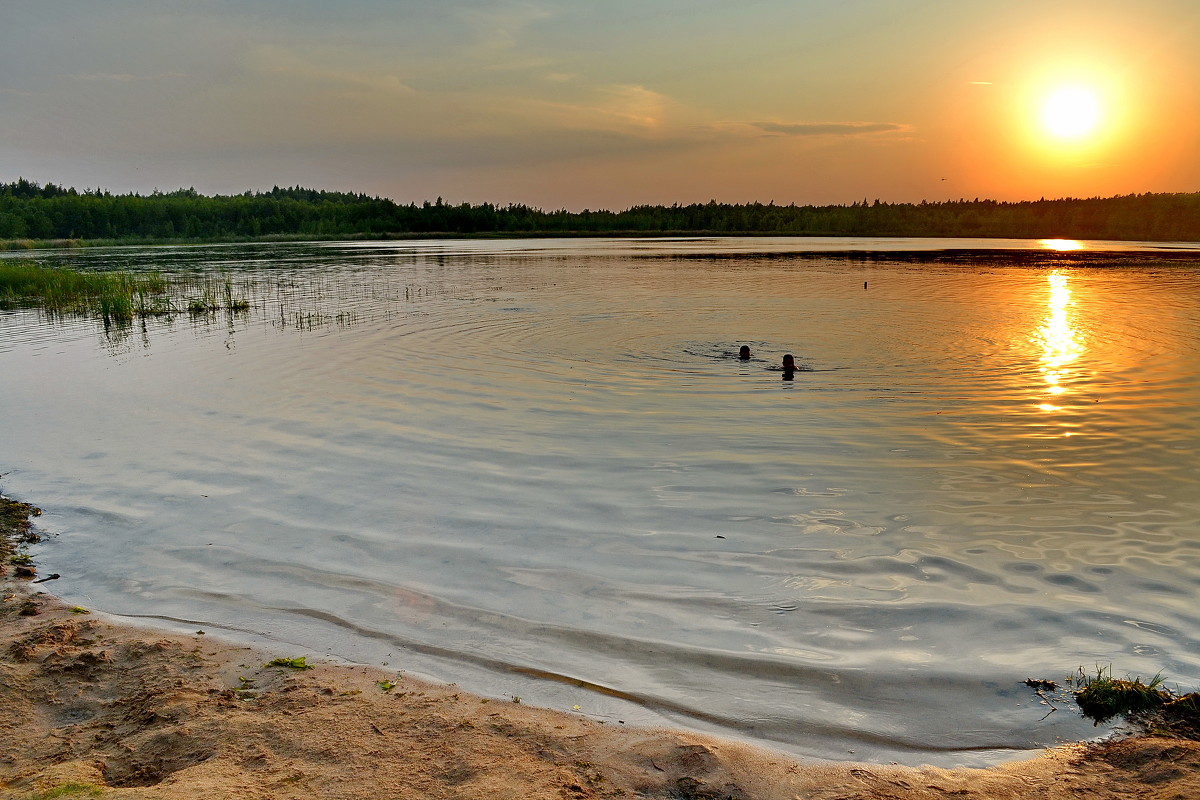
<point x="539" y="467"/>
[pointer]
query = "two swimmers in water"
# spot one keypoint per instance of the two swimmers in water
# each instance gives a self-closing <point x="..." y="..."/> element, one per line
<point x="789" y="362"/>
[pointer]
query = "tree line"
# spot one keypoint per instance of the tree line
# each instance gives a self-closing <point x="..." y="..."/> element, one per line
<point x="29" y="210"/>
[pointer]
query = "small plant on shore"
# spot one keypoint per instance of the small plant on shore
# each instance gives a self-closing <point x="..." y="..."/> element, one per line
<point x="68" y="790"/>
<point x="1102" y="697"/>
<point x="15" y="528"/>
<point x="300" y="662"/>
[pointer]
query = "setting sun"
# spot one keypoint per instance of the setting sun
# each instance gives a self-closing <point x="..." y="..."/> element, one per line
<point x="1071" y="113"/>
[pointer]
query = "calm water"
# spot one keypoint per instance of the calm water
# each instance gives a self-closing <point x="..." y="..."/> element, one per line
<point x="535" y="468"/>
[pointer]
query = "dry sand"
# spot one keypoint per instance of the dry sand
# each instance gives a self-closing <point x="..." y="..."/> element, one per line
<point x="89" y="708"/>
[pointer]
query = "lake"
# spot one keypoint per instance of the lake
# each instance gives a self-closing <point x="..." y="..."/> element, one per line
<point x="538" y="469"/>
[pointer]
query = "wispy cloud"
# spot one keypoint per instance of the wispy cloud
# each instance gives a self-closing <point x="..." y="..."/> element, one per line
<point x="124" y="77"/>
<point x="498" y="33"/>
<point x="519" y="64"/>
<point x="831" y="128"/>
<point x="281" y="61"/>
<point x="613" y="108"/>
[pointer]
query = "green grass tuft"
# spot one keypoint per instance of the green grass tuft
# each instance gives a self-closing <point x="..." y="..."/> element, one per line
<point x="1103" y="697"/>
<point x="68" y="790"/>
<point x="300" y="662"/>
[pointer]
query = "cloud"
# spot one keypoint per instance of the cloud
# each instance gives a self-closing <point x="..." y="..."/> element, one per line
<point x="500" y="29"/>
<point x="616" y="108"/>
<point x="830" y="128"/>
<point x="519" y="64"/>
<point x="124" y="77"/>
<point x="283" y="62"/>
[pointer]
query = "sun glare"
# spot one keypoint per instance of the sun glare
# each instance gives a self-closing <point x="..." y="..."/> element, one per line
<point x="1061" y="245"/>
<point x="1060" y="344"/>
<point x="1071" y="112"/>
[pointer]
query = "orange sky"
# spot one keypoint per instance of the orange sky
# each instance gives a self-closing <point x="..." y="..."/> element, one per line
<point x="573" y="104"/>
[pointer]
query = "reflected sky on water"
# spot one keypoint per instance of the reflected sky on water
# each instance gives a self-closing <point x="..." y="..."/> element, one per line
<point x="539" y="468"/>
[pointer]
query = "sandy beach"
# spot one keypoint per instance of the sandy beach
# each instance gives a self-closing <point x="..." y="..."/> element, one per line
<point x="95" y="708"/>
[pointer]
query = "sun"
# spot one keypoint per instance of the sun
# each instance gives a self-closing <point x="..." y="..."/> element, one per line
<point x="1071" y="112"/>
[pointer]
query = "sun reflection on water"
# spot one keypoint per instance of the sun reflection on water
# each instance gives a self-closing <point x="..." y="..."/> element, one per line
<point x="1061" y="245"/>
<point x="1060" y="346"/>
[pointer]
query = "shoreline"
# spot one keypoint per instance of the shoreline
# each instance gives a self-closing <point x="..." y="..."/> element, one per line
<point x="100" y="708"/>
<point x="1158" y="247"/>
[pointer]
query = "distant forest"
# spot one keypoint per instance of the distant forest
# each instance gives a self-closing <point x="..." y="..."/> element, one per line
<point x="29" y="211"/>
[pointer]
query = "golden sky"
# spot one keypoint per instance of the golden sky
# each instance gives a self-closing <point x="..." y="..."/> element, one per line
<point x="572" y="104"/>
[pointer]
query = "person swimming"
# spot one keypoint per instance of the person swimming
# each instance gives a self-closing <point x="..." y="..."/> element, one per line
<point x="789" y="363"/>
<point x="744" y="353"/>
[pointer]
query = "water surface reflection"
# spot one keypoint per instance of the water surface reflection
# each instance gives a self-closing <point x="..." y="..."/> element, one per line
<point x="1060" y="344"/>
<point x="537" y="469"/>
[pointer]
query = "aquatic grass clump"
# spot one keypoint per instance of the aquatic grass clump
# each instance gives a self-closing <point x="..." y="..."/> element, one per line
<point x="215" y="294"/>
<point x="201" y="305"/>
<point x="234" y="303"/>
<point x="113" y="296"/>
<point x="150" y="305"/>
<point x="115" y="307"/>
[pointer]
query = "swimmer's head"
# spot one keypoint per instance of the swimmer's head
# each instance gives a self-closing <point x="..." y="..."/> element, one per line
<point x="789" y="362"/>
<point x="744" y="352"/>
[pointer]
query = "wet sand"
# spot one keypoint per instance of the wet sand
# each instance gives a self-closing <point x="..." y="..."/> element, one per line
<point x="95" y="708"/>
